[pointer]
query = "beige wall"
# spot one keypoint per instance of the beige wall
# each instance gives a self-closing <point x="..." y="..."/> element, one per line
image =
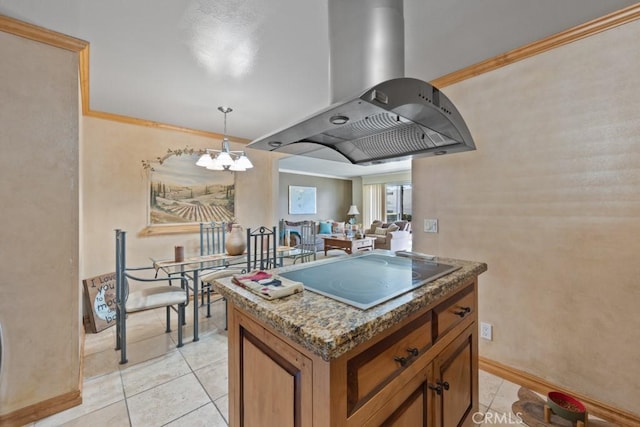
<point x="39" y="290"/>
<point x="551" y="201"/>
<point x="115" y="190"/>
<point x="333" y="196"/>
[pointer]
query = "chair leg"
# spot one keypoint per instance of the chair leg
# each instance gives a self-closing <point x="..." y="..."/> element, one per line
<point x="208" y="300"/>
<point x="180" y="323"/>
<point x="168" y="329"/>
<point x="118" y="329"/>
<point x="123" y="338"/>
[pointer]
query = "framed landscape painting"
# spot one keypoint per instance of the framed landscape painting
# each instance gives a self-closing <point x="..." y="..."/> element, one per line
<point x="302" y="200"/>
<point x="181" y="192"/>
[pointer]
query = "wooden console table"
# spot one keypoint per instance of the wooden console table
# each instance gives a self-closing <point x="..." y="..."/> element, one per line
<point x="348" y="245"/>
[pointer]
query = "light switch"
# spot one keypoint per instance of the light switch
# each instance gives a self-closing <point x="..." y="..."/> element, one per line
<point x="430" y="225"/>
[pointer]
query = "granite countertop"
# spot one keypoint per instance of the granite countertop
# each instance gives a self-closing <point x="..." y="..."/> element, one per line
<point x="330" y="328"/>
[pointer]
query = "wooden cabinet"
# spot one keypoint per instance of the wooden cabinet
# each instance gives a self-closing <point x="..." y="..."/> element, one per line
<point x="412" y="406"/>
<point x="455" y="372"/>
<point x="421" y="372"/>
<point x="274" y="385"/>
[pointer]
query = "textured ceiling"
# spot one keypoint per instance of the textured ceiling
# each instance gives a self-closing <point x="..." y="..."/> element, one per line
<point x="177" y="61"/>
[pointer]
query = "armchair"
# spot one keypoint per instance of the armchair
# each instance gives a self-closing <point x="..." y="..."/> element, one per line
<point x="394" y="236"/>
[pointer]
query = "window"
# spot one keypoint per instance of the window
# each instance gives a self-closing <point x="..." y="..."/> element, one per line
<point x="398" y="202"/>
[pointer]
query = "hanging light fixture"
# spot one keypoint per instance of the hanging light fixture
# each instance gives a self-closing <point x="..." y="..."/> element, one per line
<point x="224" y="159"/>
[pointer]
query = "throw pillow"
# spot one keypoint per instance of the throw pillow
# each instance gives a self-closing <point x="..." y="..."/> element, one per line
<point x="401" y="224"/>
<point x="392" y="227"/>
<point x="380" y="231"/>
<point x="338" y="227"/>
<point x="325" y="228"/>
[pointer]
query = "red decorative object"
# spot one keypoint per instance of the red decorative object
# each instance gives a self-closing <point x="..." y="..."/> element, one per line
<point x="566" y="406"/>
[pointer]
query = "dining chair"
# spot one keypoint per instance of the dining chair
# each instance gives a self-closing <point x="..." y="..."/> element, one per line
<point x="207" y="278"/>
<point x="147" y="296"/>
<point x="213" y="237"/>
<point x="306" y="245"/>
<point x="261" y="248"/>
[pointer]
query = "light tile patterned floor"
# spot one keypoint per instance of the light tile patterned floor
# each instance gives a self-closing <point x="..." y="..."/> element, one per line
<point x="163" y="385"/>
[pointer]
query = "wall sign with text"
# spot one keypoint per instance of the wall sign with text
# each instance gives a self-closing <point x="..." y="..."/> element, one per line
<point x="100" y="301"/>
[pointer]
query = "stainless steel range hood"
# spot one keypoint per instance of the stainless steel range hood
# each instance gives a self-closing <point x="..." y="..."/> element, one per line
<point x="394" y="119"/>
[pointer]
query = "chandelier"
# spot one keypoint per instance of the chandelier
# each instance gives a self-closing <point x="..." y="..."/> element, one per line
<point x="224" y="159"/>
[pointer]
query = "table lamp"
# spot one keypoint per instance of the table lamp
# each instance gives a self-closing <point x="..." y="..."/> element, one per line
<point x="353" y="211"/>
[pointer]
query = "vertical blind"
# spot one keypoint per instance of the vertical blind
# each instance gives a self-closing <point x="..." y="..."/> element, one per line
<point x="374" y="203"/>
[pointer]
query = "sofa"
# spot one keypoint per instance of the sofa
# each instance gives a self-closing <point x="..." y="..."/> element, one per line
<point x="392" y="236"/>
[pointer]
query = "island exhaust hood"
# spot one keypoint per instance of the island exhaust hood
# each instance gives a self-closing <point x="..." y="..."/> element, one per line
<point x="396" y="118"/>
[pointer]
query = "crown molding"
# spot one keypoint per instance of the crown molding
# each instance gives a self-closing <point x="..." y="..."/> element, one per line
<point x="606" y="22"/>
<point x="40" y="34"/>
<point x="159" y="125"/>
<point x="33" y="32"/>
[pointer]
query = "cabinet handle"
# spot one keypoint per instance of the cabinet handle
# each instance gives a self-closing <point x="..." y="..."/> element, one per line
<point x="436" y="388"/>
<point x="463" y="311"/>
<point x="401" y="360"/>
<point x="444" y="385"/>
<point x="413" y="351"/>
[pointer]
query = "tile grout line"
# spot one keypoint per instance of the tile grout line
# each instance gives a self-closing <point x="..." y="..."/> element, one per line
<point x="494" y="396"/>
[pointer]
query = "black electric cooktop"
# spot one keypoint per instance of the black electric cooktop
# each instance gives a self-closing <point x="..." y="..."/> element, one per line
<point x="370" y="279"/>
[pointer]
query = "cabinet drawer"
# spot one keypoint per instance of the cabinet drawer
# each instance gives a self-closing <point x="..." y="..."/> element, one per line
<point x="375" y="367"/>
<point x="453" y="311"/>
<point x="366" y="244"/>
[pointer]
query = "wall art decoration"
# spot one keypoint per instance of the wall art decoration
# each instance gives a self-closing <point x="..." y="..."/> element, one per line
<point x="181" y="192"/>
<point x="302" y="200"/>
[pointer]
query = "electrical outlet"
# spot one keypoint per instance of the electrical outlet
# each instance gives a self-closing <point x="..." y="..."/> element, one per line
<point x="430" y="225"/>
<point x="486" y="331"/>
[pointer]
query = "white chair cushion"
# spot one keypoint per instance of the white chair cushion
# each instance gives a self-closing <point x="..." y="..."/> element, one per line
<point x="156" y="296"/>
<point x="219" y="274"/>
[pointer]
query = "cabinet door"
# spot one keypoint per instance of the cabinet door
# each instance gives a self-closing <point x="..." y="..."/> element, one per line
<point x="274" y="387"/>
<point x="411" y="406"/>
<point x="456" y="373"/>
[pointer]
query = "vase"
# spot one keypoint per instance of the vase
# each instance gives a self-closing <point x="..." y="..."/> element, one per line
<point x="236" y="243"/>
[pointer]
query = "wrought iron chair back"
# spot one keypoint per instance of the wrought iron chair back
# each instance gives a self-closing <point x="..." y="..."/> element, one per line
<point x="302" y="236"/>
<point x="144" y="298"/>
<point x="261" y="248"/>
<point x="307" y="244"/>
<point x="213" y="236"/>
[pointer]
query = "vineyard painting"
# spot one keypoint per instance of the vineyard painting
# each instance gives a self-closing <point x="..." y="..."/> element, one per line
<point x="181" y="192"/>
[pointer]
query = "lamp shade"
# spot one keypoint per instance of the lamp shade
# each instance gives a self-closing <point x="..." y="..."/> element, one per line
<point x="353" y="210"/>
<point x="236" y="166"/>
<point x="215" y="165"/>
<point x="204" y="160"/>
<point x="244" y="162"/>
<point x="224" y="158"/>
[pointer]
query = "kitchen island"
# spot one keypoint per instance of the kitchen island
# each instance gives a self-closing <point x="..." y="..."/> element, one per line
<point x="309" y="360"/>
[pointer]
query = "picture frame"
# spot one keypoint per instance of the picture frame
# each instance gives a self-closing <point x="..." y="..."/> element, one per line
<point x="181" y="193"/>
<point x="302" y="200"/>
